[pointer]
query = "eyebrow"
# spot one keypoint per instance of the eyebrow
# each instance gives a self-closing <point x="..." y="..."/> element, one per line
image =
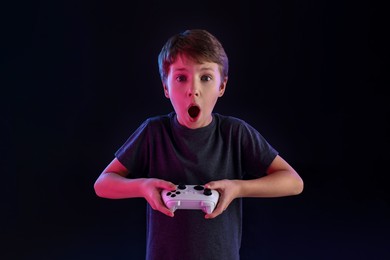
<point x="202" y="69"/>
<point x="207" y="68"/>
<point x="179" y="69"/>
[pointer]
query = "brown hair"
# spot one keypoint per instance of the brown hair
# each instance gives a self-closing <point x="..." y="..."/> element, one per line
<point x="197" y="44"/>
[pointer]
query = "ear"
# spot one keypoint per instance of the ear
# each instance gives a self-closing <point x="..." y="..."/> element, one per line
<point x="166" y="90"/>
<point x="223" y="87"/>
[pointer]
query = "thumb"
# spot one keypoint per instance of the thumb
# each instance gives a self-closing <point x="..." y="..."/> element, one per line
<point x="211" y="185"/>
<point x="167" y="185"/>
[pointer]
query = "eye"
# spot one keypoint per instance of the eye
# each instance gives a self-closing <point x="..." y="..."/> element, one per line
<point x="181" y="78"/>
<point x="206" y="78"/>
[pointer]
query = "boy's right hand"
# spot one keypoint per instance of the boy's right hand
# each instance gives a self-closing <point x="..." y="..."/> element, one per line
<point x="151" y="189"/>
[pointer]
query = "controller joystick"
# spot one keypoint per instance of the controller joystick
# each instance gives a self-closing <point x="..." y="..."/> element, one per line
<point x="207" y="192"/>
<point x="191" y="197"/>
<point x="181" y="186"/>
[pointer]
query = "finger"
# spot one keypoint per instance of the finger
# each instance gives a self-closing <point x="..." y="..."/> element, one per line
<point x="214" y="214"/>
<point x="217" y="211"/>
<point x="163" y="209"/>
<point x="167" y="212"/>
<point x="213" y="185"/>
<point x="155" y="201"/>
<point x="167" y="185"/>
<point x="160" y="206"/>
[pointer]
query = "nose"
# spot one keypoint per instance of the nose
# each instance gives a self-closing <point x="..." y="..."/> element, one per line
<point x="193" y="90"/>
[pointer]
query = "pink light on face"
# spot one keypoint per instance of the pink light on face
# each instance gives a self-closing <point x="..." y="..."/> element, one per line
<point x="194" y="89"/>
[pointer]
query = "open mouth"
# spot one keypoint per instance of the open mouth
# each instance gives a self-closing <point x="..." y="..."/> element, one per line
<point x="193" y="111"/>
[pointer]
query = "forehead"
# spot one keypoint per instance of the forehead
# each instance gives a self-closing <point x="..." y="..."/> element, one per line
<point x="183" y="62"/>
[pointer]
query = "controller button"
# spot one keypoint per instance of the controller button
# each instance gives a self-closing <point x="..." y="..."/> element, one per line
<point x="173" y="195"/>
<point x="169" y="193"/>
<point x="178" y="192"/>
<point x="198" y="187"/>
<point x="207" y="192"/>
<point x="181" y="186"/>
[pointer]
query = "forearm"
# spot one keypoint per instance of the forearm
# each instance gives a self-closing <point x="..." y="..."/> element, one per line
<point x="114" y="186"/>
<point x="277" y="184"/>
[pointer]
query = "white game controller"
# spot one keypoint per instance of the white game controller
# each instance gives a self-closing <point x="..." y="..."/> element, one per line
<point x="191" y="197"/>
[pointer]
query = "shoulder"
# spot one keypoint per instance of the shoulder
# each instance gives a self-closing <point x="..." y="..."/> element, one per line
<point x="156" y="124"/>
<point x="231" y="121"/>
<point x="237" y="127"/>
<point x="159" y="119"/>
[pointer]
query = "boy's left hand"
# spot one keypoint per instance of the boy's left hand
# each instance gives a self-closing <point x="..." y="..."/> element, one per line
<point x="228" y="191"/>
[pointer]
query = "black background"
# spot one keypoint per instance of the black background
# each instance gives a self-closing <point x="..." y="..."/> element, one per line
<point x="78" y="77"/>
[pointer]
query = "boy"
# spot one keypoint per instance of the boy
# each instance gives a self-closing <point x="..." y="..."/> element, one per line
<point x="193" y="145"/>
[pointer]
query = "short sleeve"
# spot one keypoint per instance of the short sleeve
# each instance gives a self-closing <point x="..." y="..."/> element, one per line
<point x="133" y="154"/>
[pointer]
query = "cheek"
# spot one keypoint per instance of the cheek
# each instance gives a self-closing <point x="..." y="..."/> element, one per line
<point x="177" y="89"/>
<point x="173" y="92"/>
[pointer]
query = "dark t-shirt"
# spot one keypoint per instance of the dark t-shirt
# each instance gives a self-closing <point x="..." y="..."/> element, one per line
<point x="228" y="148"/>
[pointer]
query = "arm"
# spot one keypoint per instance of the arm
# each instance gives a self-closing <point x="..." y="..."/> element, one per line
<point x="281" y="180"/>
<point x="113" y="184"/>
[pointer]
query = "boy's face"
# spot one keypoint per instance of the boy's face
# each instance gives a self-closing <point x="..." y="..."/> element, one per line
<point x="193" y="89"/>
